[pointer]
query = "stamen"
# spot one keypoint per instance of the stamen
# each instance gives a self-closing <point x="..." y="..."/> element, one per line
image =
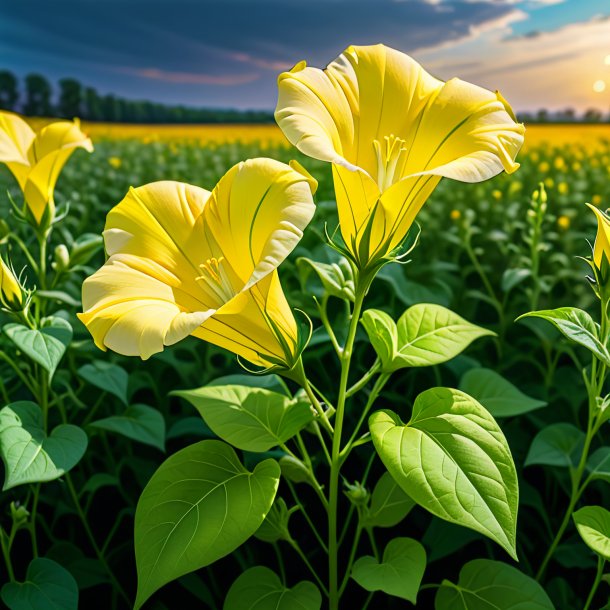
<point x="214" y="277"/>
<point x="391" y="161"/>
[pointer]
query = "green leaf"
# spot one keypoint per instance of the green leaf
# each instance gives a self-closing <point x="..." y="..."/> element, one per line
<point x="45" y="346"/>
<point x="48" y="586"/>
<point x="485" y="585"/>
<point x="252" y="419"/>
<point x="400" y="572"/>
<point x="275" y="525"/>
<point x="337" y="278"/>
<point x="556" y="445"/>
<point x="259" y="588"/>
<point x="29" y="455"/>
<point x="452" y="459"/>
<point x="268" y="382"/>
<point x="513" y="277"/>
<point x="389" y="504"/>
<point x="108" y="377"/>
<point x="139" y="423"/>
<point x="200" y="505"/>
<point x="593" y="525"/>
<point x="577" y="326"/>
<point x="598" y="465"/>
<point x="425" y="334"/>
<point x="498" y="395"/>
<point x="295" y="470"/>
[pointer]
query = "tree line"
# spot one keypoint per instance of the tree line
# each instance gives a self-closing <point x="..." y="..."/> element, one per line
<point x="76" y="100"/>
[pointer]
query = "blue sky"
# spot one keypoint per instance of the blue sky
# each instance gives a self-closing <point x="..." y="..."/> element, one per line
<point x="539" y="53"/>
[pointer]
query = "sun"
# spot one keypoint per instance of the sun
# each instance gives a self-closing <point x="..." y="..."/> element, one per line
<point x="599" y="86"/>
<point x="607" y="60"/>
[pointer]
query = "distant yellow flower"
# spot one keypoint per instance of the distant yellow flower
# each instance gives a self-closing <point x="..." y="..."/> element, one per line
<point x="596" y="200"/>
<point x="559" y="163"/>
<point x="496" y="194"/>
<point x="456" y="214"/>
<point x="515" y="186"/>
<point x="576" y="166"/>
<point x="594" y="162"/>
<point x="563" y="188"/>
<point x="563" y="222"/>
<point x="11" y="295"/>
<point x="544" y="167"/>
<point x="534" y="156"/>
<point x="115" y="162"/>
<point x="36" y="159"/>
<point x="602" y="239"/>
<point x="391" y="132"/>
<point x="184" y="261"/>
<point x="549" y="183"/>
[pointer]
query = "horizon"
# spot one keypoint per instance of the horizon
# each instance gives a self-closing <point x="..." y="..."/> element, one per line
<point x="552" y="54"/>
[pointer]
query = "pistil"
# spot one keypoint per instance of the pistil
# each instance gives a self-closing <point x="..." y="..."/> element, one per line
<point x="390" y="160"/>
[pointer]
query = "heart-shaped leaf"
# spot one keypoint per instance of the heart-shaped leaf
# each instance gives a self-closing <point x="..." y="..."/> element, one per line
<point x="577" y="326"/>
<point x="593" y="525"/>
<point x="389" y="504"/>
<point x="106" y="376"/>
<point x="275" y="525"/>
<point x="425" y="334"/>
<point x="598" y="465"/>
<point x="252" y="419"/>
<point x="48" y="586"/>
<point x="45" y="346"/>
<point x="137" y="422"/>
<point x="452" y="459"/>
<point x="400" y="572"/>
<point x="498" y="395"/>
<point x="556" y="445"/>
<point x="29" y="455"/>
<point x="259" y="588"/>
<point x="200" y="505"/>
<point x="484" y="584"/>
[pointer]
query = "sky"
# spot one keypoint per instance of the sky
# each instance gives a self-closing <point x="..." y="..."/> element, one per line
<point x="227" y="53"/>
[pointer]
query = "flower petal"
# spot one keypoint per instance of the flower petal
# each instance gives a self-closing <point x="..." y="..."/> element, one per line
<point x="59" y="135"/>
<point x="16" y="136"/>
<point x="257" y="324"/>
<point x="256" y="216"/>
<point x="134" y="313"/>
<point x="602" y="239"/>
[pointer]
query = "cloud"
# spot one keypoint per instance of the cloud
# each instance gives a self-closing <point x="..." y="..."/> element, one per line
<point x="189" y="78"/>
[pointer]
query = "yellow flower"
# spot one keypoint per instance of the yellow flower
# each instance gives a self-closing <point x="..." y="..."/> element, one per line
<point x="115" y="162"/>
<point x="559" y="163"/>
<point x="36" y="159"/>
<point x="576" y="166"/>
<point x="563" y="222"/>
<point x="563" y="188"/>
<point x="544" y="167"/>
<point x="11" y="295"/>
<point x="602" y="239"/>
<point x="184" y="261"/>
<point x="455" y="214"/>
<point x="496" y="194"/>
<point x="549" y="183"/>
<point x="596" y="200"/>
<point x="391" y="131"/>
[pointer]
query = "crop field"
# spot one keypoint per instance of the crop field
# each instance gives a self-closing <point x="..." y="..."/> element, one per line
<point x="489" y="252"/>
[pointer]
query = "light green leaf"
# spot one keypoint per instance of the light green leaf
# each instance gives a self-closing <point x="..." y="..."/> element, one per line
<point x="593" y="525"/>
<point x="498" y="395"/>
<point x="383" y="335"/>
<point x="400" y="572"/>
<point x="598" y="465"/>
<point x="389" y="504"/>
<point x="48" y="586"/>
<point x="45" y="346"/>
<point x="275" y="525"/>
<point x="452" y="459"/>
<point x="295" y="470"/>
<point x="259" y="588"/>
<point x="108" y="377"/>
<point x="485" y="585"/>
<point x="137" y="422"/>
<point x="252" y="419"/>
<point x="556" y="445"/>
<point x="577" y="326"/>
<point x="29" y="455"/>
<point x="200" y="505"/>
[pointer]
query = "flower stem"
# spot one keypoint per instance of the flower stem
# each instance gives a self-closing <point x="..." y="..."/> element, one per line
<point x="598" y="578"/>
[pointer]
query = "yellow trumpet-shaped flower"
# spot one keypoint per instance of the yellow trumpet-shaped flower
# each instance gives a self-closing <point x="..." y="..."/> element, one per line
<point x="392" y="131"/>
<point x="11" y="294"/>
<point x="36" y="159"/>
<point x="601" y="248"/>
<point x="184" y="261"/>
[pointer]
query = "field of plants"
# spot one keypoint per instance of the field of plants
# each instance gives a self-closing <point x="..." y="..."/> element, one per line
<point x="472" y="470"/>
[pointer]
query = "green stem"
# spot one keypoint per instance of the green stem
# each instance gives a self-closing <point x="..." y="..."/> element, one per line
<point x="6" y="552"/>
<point x="335" y="465"/>
<point x="306" y="516"/>
<point x="365" y="379"/>
<point x="313" y="571"/>
<point x="327" y="325"/>
<point x="96" y="548"/>
<point x="350" y="561"/>
<point x="598" y="578"/>
<point x="280" y="563"/>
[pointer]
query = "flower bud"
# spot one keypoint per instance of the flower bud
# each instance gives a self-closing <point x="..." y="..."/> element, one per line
<point x="356" y="493"/>
<point x="11" y="293"/>
<point x="61" y="258"/>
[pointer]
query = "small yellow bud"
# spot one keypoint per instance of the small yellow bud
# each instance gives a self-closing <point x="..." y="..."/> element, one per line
<point x="549" y="183"/>
<point x="576" y="166"/>
<point x="563" y="222"/>
<point x="596" y="200"/>
<point x="559" y="163"/>
<point x="115" y="162"/>
<point x="11" y="294"/>
<point x="61" y="257"/>
<point x="563" y="188"/>
<point x="456" y="214"/>
<point x="544" y="167"/>
<point x="496" y="194"/>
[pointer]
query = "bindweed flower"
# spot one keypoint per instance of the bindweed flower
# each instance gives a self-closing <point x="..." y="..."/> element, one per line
<point x="391" y="132"/>
<point x="184" y="261"/>
<point x="11" y="293"/>
<point x="36" y="159"/>
<point x="601" y="249"/>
